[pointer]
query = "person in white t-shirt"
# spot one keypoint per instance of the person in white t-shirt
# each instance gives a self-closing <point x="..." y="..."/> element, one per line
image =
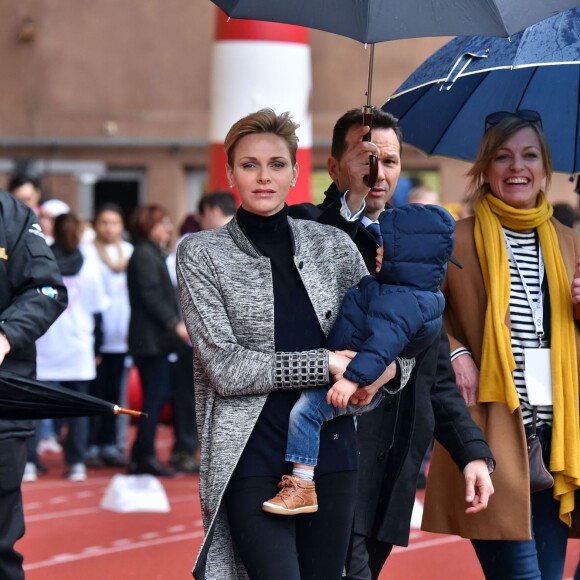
<point x="66" y="353"/>
<point x="112" y="254"/>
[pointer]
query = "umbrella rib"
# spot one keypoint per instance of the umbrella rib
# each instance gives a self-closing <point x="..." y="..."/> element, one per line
<point x="526" y="87"/>
<point x="442" y="133"/>
<point x="577" y="133"/>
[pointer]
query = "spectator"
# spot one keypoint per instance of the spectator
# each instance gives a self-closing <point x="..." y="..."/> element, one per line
<point x="66" y="353"/>
<point x="112" y="254"/>
<point x="424" y="195"/>
<point x="155" y="329"/>
<point x="49" y="211"/>
<point x="27" y="190"/>
<point x="216" y="209"/>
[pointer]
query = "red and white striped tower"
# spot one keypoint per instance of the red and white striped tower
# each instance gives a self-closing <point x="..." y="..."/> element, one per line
<point x="255" y="65"/>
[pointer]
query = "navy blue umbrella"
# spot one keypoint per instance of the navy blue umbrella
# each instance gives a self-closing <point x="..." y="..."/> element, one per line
<point x="442" y="106"/>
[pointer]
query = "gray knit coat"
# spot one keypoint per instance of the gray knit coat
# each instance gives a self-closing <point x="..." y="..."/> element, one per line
<point x="227" y="298"/>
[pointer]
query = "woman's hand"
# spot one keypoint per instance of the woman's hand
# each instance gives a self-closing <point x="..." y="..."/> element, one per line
<point x="181" y="331"/>
<point x="576" y="285"/>
<point x="467" y="378"/>
<point x="338" y="361"/>
<point x="364" y="396"/>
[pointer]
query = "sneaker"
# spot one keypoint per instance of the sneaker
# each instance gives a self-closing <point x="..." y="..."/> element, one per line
<point x="150" y="466"/>
<point x="76" y="472"/>
<point x="184" y="463"/>
<point x="30" y="474"/>
<point x="50" y="445"/>
<point x="296" y="496"/>
<point x="114" y="460"/>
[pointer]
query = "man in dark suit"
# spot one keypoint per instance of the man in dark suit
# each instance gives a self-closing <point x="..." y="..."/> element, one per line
<point x="394" y="437"/>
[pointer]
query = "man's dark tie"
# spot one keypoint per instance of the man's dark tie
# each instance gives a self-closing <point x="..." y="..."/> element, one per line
<point x="375" y="230"/>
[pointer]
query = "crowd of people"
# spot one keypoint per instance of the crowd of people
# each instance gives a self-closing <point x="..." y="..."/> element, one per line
<point x="122" y="311"/>
<point x="272" y="326"/>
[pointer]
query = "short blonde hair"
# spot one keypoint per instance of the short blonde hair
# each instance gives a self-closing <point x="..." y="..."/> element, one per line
<point x="263" y="121"/>
<point x="492" y="141"/>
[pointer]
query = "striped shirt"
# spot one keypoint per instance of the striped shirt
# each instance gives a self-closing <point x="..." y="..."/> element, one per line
<point x="523" y="332"/>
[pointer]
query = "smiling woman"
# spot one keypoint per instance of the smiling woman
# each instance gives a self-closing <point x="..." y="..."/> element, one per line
<point x="259" y="296"/>
<point x="509" y="307"/>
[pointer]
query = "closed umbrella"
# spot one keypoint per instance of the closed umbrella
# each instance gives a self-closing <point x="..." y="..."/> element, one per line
<point x="371" y="21"/>
<point x="442" y="106"/>
<point x="24" y="398"/>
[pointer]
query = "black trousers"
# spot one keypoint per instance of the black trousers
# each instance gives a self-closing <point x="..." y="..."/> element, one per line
<point x="367" y="558"/>
<point x="302" y="547"/>
<point x="107" y="385"/>
<point x="157" y="383"/>
<point x="12" y="461"/>
<point x="184" y="425"/>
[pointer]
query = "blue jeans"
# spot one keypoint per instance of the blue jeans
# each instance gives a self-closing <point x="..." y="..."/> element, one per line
<point x="306" y="419"/>
<point x="541" y="558"/>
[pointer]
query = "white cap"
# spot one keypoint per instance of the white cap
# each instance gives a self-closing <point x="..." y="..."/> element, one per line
<point x="54" y="207"/>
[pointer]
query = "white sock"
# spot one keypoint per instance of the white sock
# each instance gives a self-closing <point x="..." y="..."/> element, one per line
<point x="306" y="474"/>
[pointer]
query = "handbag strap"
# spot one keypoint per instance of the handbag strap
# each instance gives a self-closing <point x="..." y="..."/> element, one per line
<point x="534" y="418"/>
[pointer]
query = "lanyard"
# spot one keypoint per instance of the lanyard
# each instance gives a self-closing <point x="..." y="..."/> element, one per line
<point x="537" y="308"/>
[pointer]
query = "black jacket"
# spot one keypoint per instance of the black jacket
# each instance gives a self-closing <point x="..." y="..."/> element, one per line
<point x="394" y="438"/>
<point x="154" y="310"/>
<point x="32" y="294"/>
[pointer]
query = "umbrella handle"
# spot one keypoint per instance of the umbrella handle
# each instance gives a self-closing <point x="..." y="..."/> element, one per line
<point x="121" y="411"/>
<point x="370" y="179"/>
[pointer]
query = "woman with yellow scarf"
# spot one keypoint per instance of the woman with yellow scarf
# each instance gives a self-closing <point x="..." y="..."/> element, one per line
<point x="514" y="349"/>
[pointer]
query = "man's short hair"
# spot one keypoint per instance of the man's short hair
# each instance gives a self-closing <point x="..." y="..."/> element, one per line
<point x="225" y="200"/>
<point x="354" y="117"/>
<point x="20" y="179"/>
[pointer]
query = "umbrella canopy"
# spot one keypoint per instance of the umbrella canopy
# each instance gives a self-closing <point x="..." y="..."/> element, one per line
<point x="442" y="106"/>
<point x="370" y="21"/>
<point x="23" y="398"/>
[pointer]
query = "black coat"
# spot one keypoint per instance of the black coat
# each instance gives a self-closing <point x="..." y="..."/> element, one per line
<point x="154" y="310"/>
<point x="394" y="438"/>
<point x="32" y="294"/>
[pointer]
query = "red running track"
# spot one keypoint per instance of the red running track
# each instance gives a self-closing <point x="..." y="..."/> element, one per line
<point x="69" y="537"/>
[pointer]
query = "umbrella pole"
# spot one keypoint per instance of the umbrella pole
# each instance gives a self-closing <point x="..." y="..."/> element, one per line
<point x="121" y="411"/>
<point x="368" y="111"/>
<point x="370" y="79"/>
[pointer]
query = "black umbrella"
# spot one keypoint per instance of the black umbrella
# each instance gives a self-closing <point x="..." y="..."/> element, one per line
<point x="24" y="398"/>
<point x="371" y="21"/>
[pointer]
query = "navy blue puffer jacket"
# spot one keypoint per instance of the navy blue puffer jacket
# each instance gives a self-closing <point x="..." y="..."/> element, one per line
<point x="397" y="311"/>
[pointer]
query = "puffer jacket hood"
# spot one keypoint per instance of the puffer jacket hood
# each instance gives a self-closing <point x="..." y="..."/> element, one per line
<point x="418" y="241"/>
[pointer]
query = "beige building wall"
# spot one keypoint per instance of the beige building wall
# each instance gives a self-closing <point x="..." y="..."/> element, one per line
<point x="126" y="84"/>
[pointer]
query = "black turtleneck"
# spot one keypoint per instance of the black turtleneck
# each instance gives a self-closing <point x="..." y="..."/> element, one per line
<point x="295" y="324"/>
<point x="296" y="328"/>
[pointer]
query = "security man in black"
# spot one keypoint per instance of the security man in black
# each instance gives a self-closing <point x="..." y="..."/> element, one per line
<point x="32" y="296"/>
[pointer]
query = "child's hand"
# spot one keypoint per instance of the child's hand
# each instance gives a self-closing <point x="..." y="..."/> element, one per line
<point x="361" y="397"/>
<point x="340" y="393"/>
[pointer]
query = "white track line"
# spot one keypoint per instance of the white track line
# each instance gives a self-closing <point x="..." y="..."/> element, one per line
<point x="29" y="519"/>
<point x="66" y="558"/>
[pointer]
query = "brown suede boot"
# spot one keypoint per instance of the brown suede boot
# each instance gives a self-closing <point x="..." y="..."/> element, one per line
<point x="296" y="496"/>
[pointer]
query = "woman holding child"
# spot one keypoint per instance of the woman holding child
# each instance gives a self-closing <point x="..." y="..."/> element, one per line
<point x="259" y="297"/>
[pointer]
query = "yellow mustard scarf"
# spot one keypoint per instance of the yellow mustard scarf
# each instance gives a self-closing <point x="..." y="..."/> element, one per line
<point x="497" y="363"/>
